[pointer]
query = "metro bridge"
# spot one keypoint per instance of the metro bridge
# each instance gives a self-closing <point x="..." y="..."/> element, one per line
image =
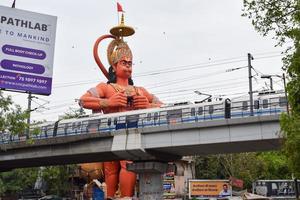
<point x="160" y="143"/>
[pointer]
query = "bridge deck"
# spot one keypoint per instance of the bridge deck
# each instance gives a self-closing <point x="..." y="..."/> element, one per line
<point x="169" y="142"/>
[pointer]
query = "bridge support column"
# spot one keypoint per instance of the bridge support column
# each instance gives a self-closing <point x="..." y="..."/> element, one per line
<point x="150" y="178"/>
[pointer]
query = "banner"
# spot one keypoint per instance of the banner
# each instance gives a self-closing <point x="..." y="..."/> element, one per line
<point x="209" y="188"/>
<point x="27" y="50"/>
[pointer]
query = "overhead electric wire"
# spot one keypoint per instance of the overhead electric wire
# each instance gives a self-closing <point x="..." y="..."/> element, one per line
<point x="202" y="65"/>
<point x="158" y="72"/>
<point x="161" y="92"/>
<point x="179" y="81"/>
<point x="171" y="82"/>
<point x="197" y="88"/>
<point x="203" y="85"/>
<point x="209" y="91"/>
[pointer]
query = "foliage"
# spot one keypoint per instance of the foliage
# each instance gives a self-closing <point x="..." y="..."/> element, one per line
<point x="246" y="166"/>
<point x="57" y="178"/>
<point x="73" y="113"/>
<point x="18" y="180"/>
<point x="291" y="125"/>
<point x="282" y="18"/>
<point x="12" y="118"/>
<point x="273" y="16"/>
<point x="274" y="165"/>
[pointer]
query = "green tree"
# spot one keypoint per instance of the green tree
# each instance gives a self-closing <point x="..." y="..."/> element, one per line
<point x="282" y="20"/>
<point x="73" y="113"/>
<point x="58" y="179"/>
<point x="18" y="180"/>
<point x="12" y="118"/>
<point x="246" y="166"/>
<point x="13" y="121"/>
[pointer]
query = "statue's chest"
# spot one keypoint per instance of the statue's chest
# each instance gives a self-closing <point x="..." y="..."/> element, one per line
<point x="128" y="91"/>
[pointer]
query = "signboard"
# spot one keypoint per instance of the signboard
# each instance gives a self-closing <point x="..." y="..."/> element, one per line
<point x="209" y="189"/>
<point x="169" y="185"/>
<point x="27" y="49"/>
<point x="276" y="188"/>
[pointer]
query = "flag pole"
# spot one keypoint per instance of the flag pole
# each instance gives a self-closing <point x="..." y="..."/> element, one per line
<point x="118" y="17"/>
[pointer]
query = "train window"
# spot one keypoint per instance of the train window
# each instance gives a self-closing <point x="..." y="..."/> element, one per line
<point x="155" y="116"/>
<point x="265" y="103"/>
<point x="73" y="125"/>
<point x="256" y="104"/>
<point x="200" y="111"/>
<point x="44" y="130"/>
<point x="132" y="118"/>
<point x="173" y="114"/>
<point x="149" y="117"/>
<point x="93" y="125"/>
<point x="193" y="112"/>
<point x="115" y="121"/>
<point x="78" y="125"/>
<point x="108" y="121"/>
<point x="66" y="128"/>
<point x="245" y="105"/>
<point x="211" y="109"/>
<point x="132" y="121"/>
<point x="282" y="101"/>
<point x="84" y="126"/>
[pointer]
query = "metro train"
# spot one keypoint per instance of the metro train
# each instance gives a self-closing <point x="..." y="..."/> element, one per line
<point x="268" y="103"/>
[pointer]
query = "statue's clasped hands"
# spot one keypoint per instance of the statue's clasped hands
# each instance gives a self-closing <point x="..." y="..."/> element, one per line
<point x="120" y="99"/>
<point x="140" y="102"/>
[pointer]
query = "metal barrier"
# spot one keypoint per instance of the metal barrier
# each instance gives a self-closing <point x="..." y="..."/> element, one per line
<point x="193" y="114"/>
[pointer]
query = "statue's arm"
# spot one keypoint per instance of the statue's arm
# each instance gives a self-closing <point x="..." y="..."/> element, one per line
<point x="153" y="100"/>
<point x="94" y="98"/>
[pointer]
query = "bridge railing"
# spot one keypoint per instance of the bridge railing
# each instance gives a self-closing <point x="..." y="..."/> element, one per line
<point x="238" y="109"/>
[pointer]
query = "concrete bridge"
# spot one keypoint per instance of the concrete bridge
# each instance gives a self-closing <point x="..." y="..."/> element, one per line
<point x="162" y="143"/>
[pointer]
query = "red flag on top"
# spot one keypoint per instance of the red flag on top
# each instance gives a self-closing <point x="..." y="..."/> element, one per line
<point x="120" y="9"/>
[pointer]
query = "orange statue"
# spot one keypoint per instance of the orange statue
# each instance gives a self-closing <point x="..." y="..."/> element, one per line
<point x="118" y="95"/>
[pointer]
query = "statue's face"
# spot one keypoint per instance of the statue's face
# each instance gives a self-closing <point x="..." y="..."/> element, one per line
<point x="123" y="68"/>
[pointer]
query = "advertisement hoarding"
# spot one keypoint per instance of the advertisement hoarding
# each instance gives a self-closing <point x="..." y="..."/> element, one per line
<point x="209" y="189"/>
<point x="27" y="50"/>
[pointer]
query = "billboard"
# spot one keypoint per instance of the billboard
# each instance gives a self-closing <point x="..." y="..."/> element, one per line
<point x="27" y="50"/>
<point x="209" y="189"/>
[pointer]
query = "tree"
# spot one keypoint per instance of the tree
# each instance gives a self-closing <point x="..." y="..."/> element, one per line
<point x="73" y="113"/>
<point x="12" y="118"/>
<point x="13" y="122"/>
<point x="282" y="20"/>
<point x="18" y="180"/>
<point x="58" y="179"/>
<point x="246" y="166"/>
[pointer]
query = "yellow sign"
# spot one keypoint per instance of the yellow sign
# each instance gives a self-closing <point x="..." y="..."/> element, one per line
<point x="209" y="188"/>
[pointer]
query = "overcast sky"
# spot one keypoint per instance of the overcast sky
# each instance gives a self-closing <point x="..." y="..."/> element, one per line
<point x="179" y="47"/>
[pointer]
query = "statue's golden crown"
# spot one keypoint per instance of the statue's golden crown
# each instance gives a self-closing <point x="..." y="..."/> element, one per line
<point x="117" y="49"/>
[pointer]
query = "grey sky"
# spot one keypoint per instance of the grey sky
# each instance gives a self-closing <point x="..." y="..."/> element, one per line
<point x="170" y="34"/>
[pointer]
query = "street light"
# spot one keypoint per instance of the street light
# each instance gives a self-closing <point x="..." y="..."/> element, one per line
<point x="200" y="93"/>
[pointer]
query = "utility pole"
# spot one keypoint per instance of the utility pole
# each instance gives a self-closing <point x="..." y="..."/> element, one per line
<point x="14" y="4"/>
<point x="285" y="93"/>
<point x="250" y="57"/>
<point x="29" y="111"/>
<point x="271" y="83"/>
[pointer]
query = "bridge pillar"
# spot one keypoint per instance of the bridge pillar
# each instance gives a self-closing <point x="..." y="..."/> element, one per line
<point x="150" y="178"/>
